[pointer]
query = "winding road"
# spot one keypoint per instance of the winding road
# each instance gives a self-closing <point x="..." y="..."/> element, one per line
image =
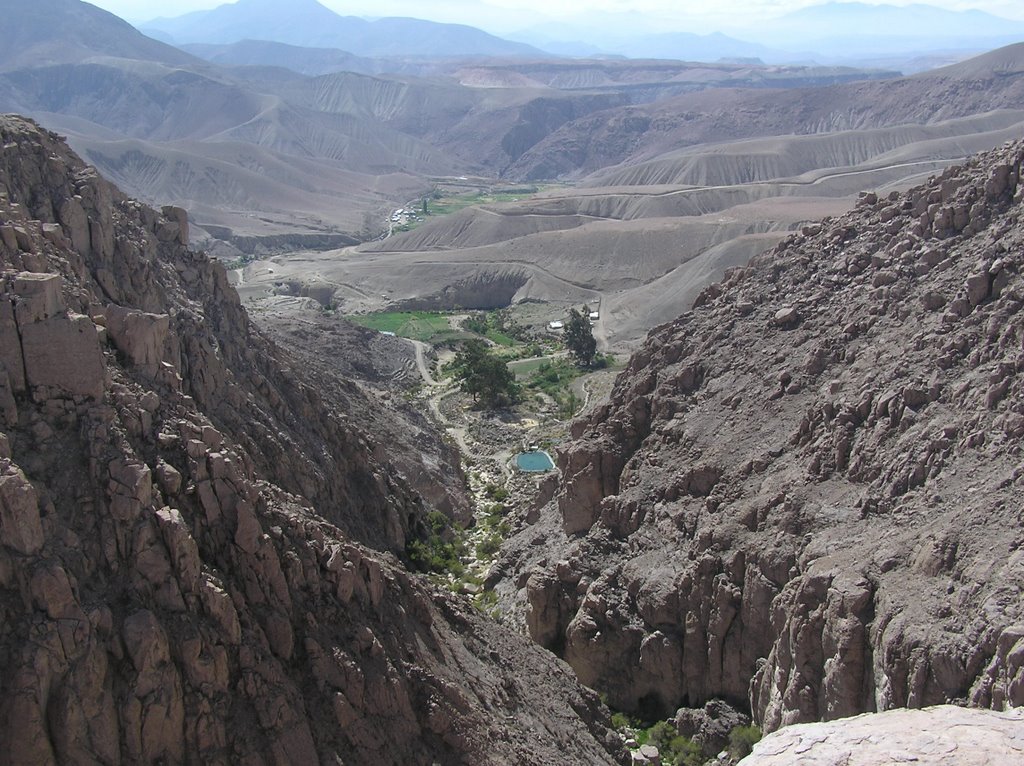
<point x="437" y="391"/>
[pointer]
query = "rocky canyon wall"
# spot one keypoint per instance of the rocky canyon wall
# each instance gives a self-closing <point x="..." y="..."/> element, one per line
<point x="186" y="570"/>
<point x="804" y="495"/>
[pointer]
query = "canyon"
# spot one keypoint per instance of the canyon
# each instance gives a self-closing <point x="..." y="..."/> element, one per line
<point x="195" y="559"/>
<point x="796" y="507"/>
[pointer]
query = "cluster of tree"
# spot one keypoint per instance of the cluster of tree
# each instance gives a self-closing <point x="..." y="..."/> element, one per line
<point x="483" y="375"/>
<point x="494" y="325"/>
<point x="579" y="338"/>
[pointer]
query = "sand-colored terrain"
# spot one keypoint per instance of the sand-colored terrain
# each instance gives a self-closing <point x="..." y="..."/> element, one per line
<point x="640" y="241"/>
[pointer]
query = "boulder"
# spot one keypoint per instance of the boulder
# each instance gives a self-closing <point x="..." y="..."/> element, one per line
<point x="63" y="357"/>
<point x="786" y="317"/>
<point x="141" y="336"/>
<point x="20" y="526"/>
<point x="38" y="297"/>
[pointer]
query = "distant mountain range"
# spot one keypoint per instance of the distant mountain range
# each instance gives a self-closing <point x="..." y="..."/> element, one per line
<point x="849" y="30"/>
<point x="909" y="37"/>
<point x="310" y="24"/>
<point x="827" y="33"/>
<point x="680" y="46"/>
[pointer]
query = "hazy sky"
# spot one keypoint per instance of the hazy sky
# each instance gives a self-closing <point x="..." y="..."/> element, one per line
<point x="510" y="15"/>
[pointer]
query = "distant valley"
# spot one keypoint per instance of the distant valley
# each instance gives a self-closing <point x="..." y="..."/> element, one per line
<point x="667" y="171"/>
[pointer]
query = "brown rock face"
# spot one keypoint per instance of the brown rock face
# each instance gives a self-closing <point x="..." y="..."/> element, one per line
<point x="804" y="495"/>
<point x="59" y="351"/>
<point x="167" y="593"/>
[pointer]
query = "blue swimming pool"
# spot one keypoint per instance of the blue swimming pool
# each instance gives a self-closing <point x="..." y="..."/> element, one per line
<point x="534" y="461"/>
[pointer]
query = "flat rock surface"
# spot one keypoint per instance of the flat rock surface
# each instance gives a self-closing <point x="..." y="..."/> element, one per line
<point x="944" y="735"/>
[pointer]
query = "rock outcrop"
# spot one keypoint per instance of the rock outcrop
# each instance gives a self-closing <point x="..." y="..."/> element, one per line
<point x="171" y="314"/>
<point x="804" y="495"/>
<point x="944" y="735"/>
<point x="185" y="570"/>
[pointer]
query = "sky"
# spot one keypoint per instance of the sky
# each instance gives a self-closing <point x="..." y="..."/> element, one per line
<point x="507" y="16"/>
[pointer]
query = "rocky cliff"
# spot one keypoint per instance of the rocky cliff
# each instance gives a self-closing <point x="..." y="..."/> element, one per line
<point x="175" y="316"/>
<point x="804" y="495"/>
<point x="183" y="575"/>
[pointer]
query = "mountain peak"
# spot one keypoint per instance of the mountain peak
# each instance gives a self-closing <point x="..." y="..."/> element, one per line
<point x="307" y="23"/>
<point x="67" y="31"/>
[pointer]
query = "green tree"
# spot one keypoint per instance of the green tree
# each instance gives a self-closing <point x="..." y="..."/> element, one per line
<point x="484" y="376"/>
<point x="579" y="338"/>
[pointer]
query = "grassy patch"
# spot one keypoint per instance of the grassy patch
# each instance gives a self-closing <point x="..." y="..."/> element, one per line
<point x="527" y="368"/>
<point x="552" y="375"/>
<point x="492" y="524"/>
<point x="487" y="603"/>
<point x="447" y="201"/>
<point x="496" y="492"/>
<point x="239" y="263"/>
<point x="554" y="378"/>
<point x="498" y="327"/>
<point x="434" y="327"/>
<point x="426" y="326"/>
<point x="500" y="338"/>
<point x="452" y="203"/>
<point x="675" y="750"/>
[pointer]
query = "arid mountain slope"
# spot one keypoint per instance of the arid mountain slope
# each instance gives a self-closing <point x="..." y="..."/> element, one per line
<point x="804" y="494"/>
<point x="48" y="32"/>
<point x="637" y="133"/>
<point x="237" y="157"/>
<point x="260" y="154"/>
<point x="176" y="130"/>
<point x="245" y="384"/>
<point x="299" y="59"/>
<point x="644" y="239"/>
<point x="168" y="591"/>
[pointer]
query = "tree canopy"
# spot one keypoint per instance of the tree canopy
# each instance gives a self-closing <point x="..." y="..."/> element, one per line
<point x="579" y="338"/>
<point x="483" y="375"/>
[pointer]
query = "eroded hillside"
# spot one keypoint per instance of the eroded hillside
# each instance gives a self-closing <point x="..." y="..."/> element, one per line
<point x="184" y="524"/>
<point x="804" y="494"/>
<point x="634" y="134"/>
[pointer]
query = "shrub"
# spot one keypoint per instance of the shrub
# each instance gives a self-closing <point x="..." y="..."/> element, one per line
<point x="439" y="549"/>
<point x="675" y="750"/>
<point x="487" y="603"/>
<point x="496" y="493"/>
<point x="621" y="721"/>
<point x="487" y="547"/>
<point x="683" y="752"/>
<point x="742" y="740"/>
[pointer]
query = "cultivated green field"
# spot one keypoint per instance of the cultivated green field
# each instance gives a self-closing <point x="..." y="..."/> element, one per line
<point x="524" y="369"/>
<point x="451" y="200"/>
<point x="450" y="203"/>
<point x="426" y="326"/>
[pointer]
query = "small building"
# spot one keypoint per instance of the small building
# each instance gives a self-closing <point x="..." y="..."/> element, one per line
<point x="595" y="315"/>
<point x="556" y="325"/>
